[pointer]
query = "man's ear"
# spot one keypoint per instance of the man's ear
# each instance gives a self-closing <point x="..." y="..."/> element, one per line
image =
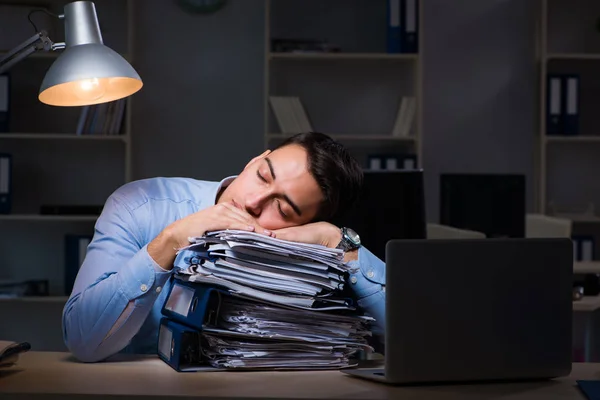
<point x="255" y="159"/>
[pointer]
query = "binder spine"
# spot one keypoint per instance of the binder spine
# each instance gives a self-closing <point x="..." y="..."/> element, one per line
<point x="179" y="346"/>
<point x="394" y="26"/>
<point x="554" y="107"/>
<point x="193" y="305"/>
<point x="410" y="33"/>
<point x="4" y="103"/>
<point x="571" y="105"/>
<point x="5" y="183"/>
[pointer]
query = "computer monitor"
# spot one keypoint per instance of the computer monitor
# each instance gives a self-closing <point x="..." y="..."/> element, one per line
<point x="490" y="203"/>
<point x="391" y="206"/>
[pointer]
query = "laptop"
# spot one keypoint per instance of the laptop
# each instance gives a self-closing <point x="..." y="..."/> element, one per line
<point x="463" y="310"/>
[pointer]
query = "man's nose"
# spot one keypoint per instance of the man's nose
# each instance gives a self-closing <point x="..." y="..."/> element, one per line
<point x="254" y="203"/>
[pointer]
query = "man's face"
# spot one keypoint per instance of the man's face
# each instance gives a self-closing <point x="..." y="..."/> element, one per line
<point x="277" y="189"/>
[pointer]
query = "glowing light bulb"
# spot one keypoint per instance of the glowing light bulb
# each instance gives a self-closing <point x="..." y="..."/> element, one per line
<point x="89" y="89"/>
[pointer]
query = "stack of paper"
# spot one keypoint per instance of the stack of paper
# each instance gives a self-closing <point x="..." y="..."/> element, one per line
<point x="287" y="309"/>
<point x="269" y="269"/>
<point x="249" y="334"/>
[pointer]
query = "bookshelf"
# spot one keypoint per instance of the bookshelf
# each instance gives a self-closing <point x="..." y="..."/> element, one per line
<point x="569" y="44"/>
<point x="353" y="93"/>
<point x="51" y="162"/>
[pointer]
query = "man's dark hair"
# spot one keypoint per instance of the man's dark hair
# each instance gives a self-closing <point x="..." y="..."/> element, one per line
<point x="337" y="173"/>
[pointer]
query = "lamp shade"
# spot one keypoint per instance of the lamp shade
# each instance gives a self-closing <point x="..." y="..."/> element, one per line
<point x="87" y="72"/>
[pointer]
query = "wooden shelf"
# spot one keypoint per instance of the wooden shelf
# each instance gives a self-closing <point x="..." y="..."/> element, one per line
<point x="47" y="218"/>
<point x="344" y="56"/>
<point x="365" y="138"/>
<point x="37" y="299"/>
<point x="572" y="139"/>
<point x="573" y="56"/>
<point x="62" y="136"/>
<point x="586" y="267"/>
<point x="587" y="303"/>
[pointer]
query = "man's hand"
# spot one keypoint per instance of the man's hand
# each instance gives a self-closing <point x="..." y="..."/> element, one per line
<point x="218" y="217"/>
<point x="322" y="233"/>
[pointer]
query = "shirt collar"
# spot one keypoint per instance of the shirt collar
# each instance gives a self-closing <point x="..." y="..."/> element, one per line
<point x="222" y="185"/>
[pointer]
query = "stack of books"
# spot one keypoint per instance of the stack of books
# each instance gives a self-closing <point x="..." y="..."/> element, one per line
<point x="242" y="300"/>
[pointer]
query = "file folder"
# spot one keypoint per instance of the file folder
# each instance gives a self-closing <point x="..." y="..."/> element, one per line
<point x="180" y="347"/>
<point x="394" y="28"/>
<point x="5" y="183"/>
<point x="554" y="100"/>
<point x="4" y="103"/>
<point x="192" y="304"/>
<point x="571" y="114"/>
<point x="410" y="35"/>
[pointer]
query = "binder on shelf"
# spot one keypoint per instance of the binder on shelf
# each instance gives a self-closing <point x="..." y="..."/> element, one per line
<point x="5" y="183"/>
<point x="75" y="251"/>
<point x="394" y="28"/>
<point x="583" y="247"/>
<point x="571" y="106"/>
<point x="4" y="103"/>
<point x="554" y="107"/>
<point x="410" y="34"/>
<point x="195" y="305"/>
<point x="392" y="162"/>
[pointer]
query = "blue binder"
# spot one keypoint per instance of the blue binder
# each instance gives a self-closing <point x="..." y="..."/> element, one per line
<point x="4" y="103"/>
<point x="410" y="33"/>
<point x="554" y="104"/>
<point x="571" y="104"/>
<point x="394" y="26"/>
<point x="591" y="388"/>
<point x="180" y="347"/>
<point x="5" y="183"/>
<point x="195" y="305"/>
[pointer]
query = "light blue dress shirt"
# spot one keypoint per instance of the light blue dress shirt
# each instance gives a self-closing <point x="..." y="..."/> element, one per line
<point x="118" y="270"/>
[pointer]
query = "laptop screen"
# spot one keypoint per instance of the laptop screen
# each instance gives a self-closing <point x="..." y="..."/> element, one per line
<point x="391" y="206"/>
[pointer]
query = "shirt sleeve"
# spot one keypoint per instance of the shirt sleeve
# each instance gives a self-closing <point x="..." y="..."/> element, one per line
<point x="118" y="277"/>
<point x="367" y="280"/>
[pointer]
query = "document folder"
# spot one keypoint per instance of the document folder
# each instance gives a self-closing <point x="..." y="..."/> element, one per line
<point x="180" y="347"/>
<point x="192" y="304"/>
<point x="5" y="183"/>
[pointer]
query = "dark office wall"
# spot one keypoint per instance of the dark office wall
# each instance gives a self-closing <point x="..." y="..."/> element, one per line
<point x="480" y="90"/>
<point x="204" y="84"/>
<point x="200" y="112"/>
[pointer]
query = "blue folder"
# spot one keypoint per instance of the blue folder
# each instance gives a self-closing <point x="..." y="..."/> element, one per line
<point x="590" y="388"/>
<point x="180" y="347"/>
<point x="195" y="305"/>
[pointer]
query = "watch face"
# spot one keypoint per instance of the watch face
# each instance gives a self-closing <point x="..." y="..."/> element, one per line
<point x="353" y="236"/>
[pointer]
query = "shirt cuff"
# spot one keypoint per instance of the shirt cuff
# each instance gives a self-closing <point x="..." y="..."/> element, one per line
<point x="142" y="275"/>
<point x="367" y="273"/>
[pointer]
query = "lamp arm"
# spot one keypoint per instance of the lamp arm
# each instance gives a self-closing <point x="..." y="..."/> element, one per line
<point x="38" y="42"/>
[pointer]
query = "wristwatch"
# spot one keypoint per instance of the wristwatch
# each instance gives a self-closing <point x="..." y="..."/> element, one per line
<point x="350" y="240"/>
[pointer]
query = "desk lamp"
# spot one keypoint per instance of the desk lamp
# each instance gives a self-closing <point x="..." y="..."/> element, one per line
<point x="87" y="72"/>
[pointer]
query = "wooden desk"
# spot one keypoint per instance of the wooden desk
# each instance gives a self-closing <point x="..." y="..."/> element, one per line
<point x="47" y="375"/>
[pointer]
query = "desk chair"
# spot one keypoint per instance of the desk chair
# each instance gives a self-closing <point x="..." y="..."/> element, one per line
<point x="437" y="231"/>
<point x="543" y="226"/>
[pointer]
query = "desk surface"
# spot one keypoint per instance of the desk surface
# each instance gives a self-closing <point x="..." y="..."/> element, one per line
<point x="48" y="375"/>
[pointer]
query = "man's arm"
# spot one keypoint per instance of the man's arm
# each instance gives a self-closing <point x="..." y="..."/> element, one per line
<point x="115" y="288"/>
<point x="367" y="280"/>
